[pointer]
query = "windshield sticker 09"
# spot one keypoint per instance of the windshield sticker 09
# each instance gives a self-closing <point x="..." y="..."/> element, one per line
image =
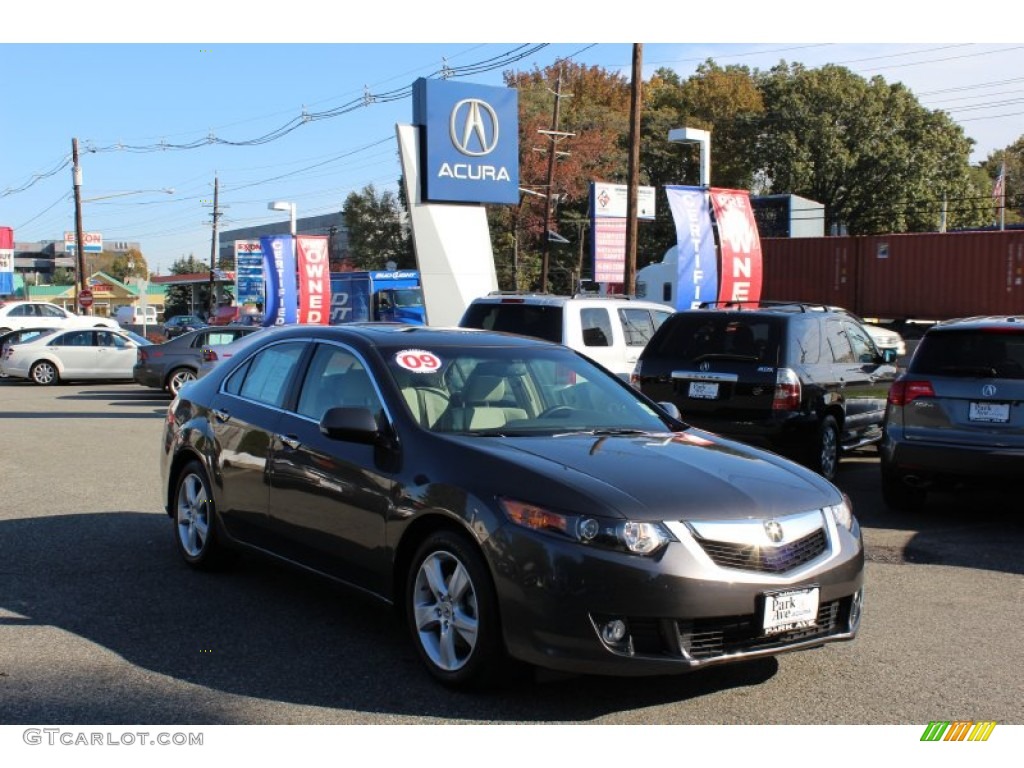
<point x="418" y="360"/>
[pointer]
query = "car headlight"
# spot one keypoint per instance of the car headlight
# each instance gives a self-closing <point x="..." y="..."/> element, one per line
<point x="638" y="538"/>
<point x="842" y="513"/>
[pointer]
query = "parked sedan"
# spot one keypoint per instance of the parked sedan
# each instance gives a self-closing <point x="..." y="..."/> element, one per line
<point x="174" y="363"/>
<point x="180" y="324"/>
<point x="83" y="354"/>
<point x="16" y="337"/>
<point x="15" y="315"/>
<point x="512" y="498"/>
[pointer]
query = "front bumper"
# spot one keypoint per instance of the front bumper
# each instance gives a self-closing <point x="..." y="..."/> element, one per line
<point x="681" y="610"/>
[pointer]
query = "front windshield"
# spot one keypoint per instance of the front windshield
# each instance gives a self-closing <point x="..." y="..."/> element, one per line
<point x="137" y="338"/>
<point x="516" y="391"/>
<point x="408" y="297"/>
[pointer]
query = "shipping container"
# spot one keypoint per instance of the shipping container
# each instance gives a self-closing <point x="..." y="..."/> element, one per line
<point x="929" y="276"/>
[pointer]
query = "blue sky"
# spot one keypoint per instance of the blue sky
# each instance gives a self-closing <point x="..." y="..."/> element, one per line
<point x="133" y="88"/>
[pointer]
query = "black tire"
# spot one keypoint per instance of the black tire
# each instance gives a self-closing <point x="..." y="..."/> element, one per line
<point x="824" y="457"/>
<point x="44" y="373"/>
<point x="178" y="378"/>
<point x="899" y="496"/>
<point x="456" y="631"/>
<point x="195" y="520"/>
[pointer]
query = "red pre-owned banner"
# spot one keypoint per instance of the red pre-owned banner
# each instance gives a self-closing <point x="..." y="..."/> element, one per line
<point x="741" y="246"/>
<point x="314" y="279"/>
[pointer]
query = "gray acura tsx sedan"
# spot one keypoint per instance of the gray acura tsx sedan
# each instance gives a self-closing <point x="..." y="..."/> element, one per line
<point x="512" y="499"/>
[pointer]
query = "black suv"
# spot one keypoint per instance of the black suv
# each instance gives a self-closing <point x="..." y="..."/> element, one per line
<point x="800" y="379"/>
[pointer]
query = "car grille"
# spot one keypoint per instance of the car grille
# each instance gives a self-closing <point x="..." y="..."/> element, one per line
<point x="748" y="557"/>
<point x="708" y="639"/>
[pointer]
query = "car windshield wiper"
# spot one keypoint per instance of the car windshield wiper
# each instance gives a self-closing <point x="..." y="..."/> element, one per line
<point x="605" y="432"/>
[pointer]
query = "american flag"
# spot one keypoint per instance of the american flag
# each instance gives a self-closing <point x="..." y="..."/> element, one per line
<point x="999" y="188"/>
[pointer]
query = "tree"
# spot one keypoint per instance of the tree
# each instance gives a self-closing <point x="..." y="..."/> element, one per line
<point x="179" y="297"/>
<point x="378" y="230"/>
<point x="595" y="109"/>
<point x="119" y="265"/>
<point x="1013" y="157"/>
<point x="877" y="159"/>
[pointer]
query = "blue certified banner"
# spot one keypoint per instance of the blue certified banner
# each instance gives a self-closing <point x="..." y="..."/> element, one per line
<point x="470" y="141"/>
<point x="281" y="307"/>
<point x="697" y="279"/>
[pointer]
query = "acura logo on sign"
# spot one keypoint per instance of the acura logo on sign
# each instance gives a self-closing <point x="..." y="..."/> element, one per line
<point x="774" y="530"/>
<point x="474" y="127"/>
<point x="989" y="390"/>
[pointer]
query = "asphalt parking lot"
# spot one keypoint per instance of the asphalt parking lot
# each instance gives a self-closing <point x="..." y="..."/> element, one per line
<point x="101" y="623"/>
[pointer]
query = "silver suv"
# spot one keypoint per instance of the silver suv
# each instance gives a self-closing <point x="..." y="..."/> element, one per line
<point x="956" y="416"/>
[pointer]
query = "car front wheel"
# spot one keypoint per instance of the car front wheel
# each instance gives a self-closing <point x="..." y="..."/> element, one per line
<point x="44" y="373"/>
<point x="452" y="611"/>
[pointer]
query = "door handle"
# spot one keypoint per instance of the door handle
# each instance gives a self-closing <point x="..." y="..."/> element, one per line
<point x="221" y="416"/>
<point x="291" y="442"/>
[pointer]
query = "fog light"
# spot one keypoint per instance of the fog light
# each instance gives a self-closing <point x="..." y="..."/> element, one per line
<point x="588" y="529"/>
<point x="614" y="631"/>
<point x="856" y="607"/>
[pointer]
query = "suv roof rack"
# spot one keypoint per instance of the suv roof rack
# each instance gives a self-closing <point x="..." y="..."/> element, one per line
<point x="801" y="306"/>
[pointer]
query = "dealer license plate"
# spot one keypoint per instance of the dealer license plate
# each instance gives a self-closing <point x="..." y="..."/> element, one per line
<point x="705" y="390"/>
<point x="993" y="412"/>
<point x="786" y="611"/>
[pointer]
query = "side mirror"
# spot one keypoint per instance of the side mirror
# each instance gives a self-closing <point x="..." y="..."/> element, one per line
<point x="356" y="425"/>
<point x="889" y="356"/>
<point x="671" y="410"/>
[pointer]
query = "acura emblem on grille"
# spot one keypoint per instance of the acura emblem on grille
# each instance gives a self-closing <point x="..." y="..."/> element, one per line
<point x="774" y="530"/>
<point x="989" y="390"/>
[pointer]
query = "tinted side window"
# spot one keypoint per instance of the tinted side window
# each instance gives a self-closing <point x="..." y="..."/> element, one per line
<point x="336" y="378"/>
<point x="835" y="333"/>
<point x="637" y="325"/>
<point x="269" y="373"/>
<point x="541" y="321"/>
<point x="597" y="327"/>
<point x="74" y="339"/>
<point x="806" y="341"/>
<point x="22" y="310"/>
<point x="47" y="311"/>
<point x="863" y="347"/>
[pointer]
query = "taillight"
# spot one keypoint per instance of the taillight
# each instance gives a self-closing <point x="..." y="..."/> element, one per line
<point x="141" y="356"/>
<point x="788" y="391"/>
<point x="209" y="356"/>
<point x="905" y="391"/>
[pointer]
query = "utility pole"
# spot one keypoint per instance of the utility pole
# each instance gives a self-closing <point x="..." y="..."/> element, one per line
<point x="213" y="245"/>
<point x="76" y="179"/>
<point x="554" y="135"/>
<point x="634" y="169"/>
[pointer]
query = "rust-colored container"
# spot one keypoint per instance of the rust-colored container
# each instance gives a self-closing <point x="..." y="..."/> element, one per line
<point x="927" y="276"/>
<point x="821" y="270"/>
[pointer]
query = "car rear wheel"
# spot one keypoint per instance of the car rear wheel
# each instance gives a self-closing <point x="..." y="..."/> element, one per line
<point x="452" y="611"/>
<point x="179" y="378"/>
<point x="825" y="459"/>
<point x="195" y="520"/>
<point x="899" y="496"/>
<point x="44" y="373"/>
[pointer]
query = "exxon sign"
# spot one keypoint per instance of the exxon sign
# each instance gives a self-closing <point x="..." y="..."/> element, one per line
<point x="470" y="141"/>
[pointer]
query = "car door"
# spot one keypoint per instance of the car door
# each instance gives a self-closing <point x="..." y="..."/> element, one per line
<point x="863" y="378"/>
<point x="330" y="498"/>
<point x="115" y="356"/>
<point x="76" y="351"/>
<point x="243" y="419"/>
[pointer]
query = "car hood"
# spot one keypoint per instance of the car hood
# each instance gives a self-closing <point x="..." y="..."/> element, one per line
<point x="665" y="476"/>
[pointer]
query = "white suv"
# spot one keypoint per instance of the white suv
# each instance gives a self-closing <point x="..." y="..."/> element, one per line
<point x="15" y="315"/>
<point x="611" y="330"/>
